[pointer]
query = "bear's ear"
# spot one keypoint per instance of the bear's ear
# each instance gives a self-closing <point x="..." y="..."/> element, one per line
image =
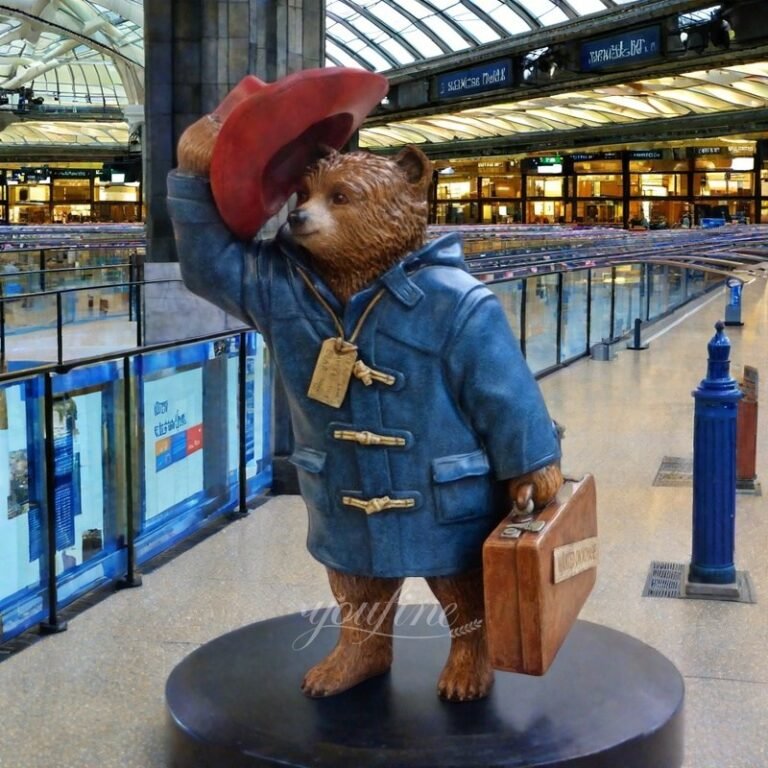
<point x="415" y="165"/>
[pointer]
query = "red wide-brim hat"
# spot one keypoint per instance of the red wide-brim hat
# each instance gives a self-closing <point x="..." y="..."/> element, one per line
<point x="271" y="132"/>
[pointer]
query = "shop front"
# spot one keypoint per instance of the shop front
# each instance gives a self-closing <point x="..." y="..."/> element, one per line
<point x="73" y="194"/>
<point x="643" y="188"/>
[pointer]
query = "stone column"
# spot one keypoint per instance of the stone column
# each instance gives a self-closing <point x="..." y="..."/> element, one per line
<point x="196" y="51"/>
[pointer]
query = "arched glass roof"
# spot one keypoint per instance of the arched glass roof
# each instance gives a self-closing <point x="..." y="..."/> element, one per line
<point x="383" y="35"/>
<point x="69" y="59"/>
<point x="71" y="69"/>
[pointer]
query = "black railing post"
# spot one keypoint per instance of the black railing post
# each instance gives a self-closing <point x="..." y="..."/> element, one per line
<point x="242" y="480"/>
<point x="53" y="625"/>
<point x="2" y="332"/>
<point x="139" y="317"/>
<point x="59" y="329"/>
<point x="132" y="577"/>
<point x="131" y="292"/>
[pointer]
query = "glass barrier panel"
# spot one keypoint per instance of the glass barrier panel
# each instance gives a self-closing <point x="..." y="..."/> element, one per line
<point x="258" y="407"/>
<point x="30" y="313"/>
<point x="541" y="303"/>
<point x="573" y="318"/>
<point x="189" y="436"/>
<point x="676" y="277"/>
<point x="97" y="321"/>
<point x="89" y="478"/>
<point x="659" y="290"/>
<point x="696" y="283"/>
<point x="629" y="298"/>
<point x="23" y="596"/>
<point x="510" y="295"/>
<point x="600" y="309"/>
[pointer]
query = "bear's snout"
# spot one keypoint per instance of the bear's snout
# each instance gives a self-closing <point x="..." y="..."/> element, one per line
<point x="297" y="219"/>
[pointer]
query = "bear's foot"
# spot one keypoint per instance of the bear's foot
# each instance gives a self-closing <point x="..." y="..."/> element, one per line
<point x="344" y="667"/>
<point x="467" y="675"/>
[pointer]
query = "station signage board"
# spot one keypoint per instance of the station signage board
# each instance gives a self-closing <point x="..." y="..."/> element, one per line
<point x="646" y="154"/>
<point x="545" y="164"/>
<point x="622" y="49"/>
<point x="580" y="157"/>
<point x="467" y="82"/>
<point x="735" y="150"/>
<point x="72" y="173"/>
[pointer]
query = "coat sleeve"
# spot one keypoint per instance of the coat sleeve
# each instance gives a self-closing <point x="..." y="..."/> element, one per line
<point x="214" y="264"/>
<point x="496" y="390"/>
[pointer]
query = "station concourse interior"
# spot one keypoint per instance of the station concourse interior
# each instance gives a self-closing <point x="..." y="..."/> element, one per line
<point x="543" y="142"/>
<point x="98" y="687"/>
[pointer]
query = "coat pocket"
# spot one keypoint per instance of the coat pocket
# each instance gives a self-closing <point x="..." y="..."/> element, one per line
<point x="311" y="465"/>
<point x="462" y="486"/>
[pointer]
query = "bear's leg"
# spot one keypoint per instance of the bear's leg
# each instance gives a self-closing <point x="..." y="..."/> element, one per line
<point x="364" y="649"/>
<point x="467" y="674"/>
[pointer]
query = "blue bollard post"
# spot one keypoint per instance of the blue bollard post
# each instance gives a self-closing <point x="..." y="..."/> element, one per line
<point x="714" y="470"/>
<point x="733" y="307"/>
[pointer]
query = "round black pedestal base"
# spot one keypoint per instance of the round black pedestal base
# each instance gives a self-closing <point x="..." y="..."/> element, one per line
<point x="608" y="701"/>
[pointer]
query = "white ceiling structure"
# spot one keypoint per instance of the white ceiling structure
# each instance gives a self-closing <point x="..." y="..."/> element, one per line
<point x="62" y="58"/>
<point x="70" y="57"/>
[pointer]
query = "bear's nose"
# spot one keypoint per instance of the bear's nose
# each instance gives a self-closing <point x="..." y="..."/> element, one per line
<point x="297" y="217"/>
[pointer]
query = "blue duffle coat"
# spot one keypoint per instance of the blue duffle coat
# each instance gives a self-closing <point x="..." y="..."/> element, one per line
<point x="461" y="413"/>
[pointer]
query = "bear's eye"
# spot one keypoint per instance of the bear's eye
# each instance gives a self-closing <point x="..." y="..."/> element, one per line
<point x="339" y="198"/>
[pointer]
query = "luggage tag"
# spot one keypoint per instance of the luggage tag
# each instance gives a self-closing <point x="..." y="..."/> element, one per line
<point x="333" y="371"/>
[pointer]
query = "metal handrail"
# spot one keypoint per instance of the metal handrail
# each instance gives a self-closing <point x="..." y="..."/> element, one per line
<point x="136" y="285"/>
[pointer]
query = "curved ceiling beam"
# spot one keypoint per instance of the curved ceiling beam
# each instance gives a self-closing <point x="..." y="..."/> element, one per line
<point x="523" y="13"/>
<point x="69" y="31"/>
<point x="423" y="27"/>
<point x="566" y="8"/>
<point x="383" y="26"/>
<point x="370" y="43"/>
<point x="486" y="18"/>
<point x="465" y="34"/>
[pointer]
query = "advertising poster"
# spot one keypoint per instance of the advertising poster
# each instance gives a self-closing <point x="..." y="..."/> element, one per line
<point x="21" y="540"/>
<point x="254" y="403"/>
<point x="173" y="445"/>
<point x="64" y="414"/>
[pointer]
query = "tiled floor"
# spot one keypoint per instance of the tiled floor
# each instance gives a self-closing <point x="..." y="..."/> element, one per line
<point x="93" y="696"/>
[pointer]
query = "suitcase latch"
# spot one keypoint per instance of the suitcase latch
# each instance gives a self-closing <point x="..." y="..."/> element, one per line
<point x="516" y="530"/>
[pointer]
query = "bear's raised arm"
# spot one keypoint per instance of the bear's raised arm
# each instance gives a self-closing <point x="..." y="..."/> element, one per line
<point x="210" y="257"/>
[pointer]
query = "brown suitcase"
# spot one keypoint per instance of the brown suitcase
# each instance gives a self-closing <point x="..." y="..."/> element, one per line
<point x="536" y="583"/>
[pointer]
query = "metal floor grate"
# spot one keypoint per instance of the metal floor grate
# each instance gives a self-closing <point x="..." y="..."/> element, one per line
<point x="664" y="580"/>
<point x="674" y="471"/>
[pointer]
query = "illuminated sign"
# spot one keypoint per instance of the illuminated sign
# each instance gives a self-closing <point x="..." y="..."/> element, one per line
<point x="646" y="154"/>
<point x="621" y="50"/>
<point x="72" y="173"/>
<point x="485" y="77"/>
<point x="580" y="157"/>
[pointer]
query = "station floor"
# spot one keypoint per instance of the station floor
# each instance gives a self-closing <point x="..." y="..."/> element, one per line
<point x="93" y="696"/>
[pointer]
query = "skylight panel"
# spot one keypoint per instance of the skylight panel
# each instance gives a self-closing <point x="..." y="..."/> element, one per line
<point x="389" y="15"/>
<point x="583" y="7"/>
<point x="396" y="50"/>
<point x="438" y="25"/>
<point x="405" y="29"/>
<point x="340" y="57"/>
<point x="545" y="10"/>
<point x="365" y="52"/>
<point x="504" y="15"/>
<point x="472" y="24"/>
<point x="340" y="9"/>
